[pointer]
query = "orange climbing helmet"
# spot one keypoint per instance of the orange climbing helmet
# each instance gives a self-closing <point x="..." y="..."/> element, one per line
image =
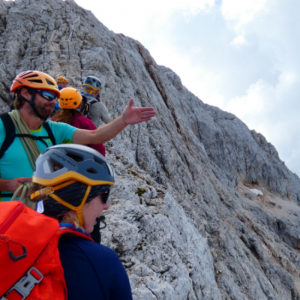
<point x="70" y="98"/>
<point x="35" y="80"/>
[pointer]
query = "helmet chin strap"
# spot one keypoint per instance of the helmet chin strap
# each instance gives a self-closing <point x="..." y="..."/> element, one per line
<point x="77" y="209"/>
<point x="31" y="102"/>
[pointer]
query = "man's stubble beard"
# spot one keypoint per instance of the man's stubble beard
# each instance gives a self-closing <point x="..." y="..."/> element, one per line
<point x="41" y="111"/>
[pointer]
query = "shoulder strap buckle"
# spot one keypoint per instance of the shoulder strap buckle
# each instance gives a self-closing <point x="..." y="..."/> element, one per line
<point x="25" y="285"/>
<point x="43" y="192"/>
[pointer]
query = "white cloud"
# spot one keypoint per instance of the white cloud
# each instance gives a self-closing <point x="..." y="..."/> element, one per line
<point x="242" y="12"/>
<point x="239" y="40"/>
<point x="253" y="102"/>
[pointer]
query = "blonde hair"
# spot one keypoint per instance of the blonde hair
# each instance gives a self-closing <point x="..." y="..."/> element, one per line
<point x="71" y="219"/>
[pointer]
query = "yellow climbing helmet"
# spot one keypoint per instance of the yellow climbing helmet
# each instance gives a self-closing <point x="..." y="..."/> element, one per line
<point x="70" y="98"/>
<point x="62" y="79"/>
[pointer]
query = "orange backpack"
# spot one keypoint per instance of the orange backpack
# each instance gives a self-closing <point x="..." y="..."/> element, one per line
<point x="30" y="266"/>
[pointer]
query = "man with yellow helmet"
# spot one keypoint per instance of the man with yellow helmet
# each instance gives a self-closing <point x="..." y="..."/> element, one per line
<point x="37" y="94"/>
<point x="62" y="82"/>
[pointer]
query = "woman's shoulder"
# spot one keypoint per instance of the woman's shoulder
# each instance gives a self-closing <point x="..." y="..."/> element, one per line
<point x="86" y="247"/>
<point x="84" y="120"/>
<point x="81" y="118"/>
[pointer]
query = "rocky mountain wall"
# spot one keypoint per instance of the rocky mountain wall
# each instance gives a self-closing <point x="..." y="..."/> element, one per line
<point x="203" y="207"/>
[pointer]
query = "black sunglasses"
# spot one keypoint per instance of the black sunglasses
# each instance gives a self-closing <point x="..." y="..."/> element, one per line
<point x="104" y="194"/>
<point x="47" y="95"/>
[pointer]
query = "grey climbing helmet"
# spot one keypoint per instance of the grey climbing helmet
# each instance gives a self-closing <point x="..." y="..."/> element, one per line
<point x="72" y="176"/>
<point x="92" y="82"/>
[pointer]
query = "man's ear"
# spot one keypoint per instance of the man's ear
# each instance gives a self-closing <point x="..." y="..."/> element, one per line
<point x="25" y="93"/>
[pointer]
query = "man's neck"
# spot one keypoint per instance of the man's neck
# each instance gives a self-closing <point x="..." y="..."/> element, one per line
<point x="32" y="121"/>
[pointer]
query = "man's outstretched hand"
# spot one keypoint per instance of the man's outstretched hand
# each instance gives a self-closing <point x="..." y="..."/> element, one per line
<point x="134" y="115"/>
<point x="131" y="115"/>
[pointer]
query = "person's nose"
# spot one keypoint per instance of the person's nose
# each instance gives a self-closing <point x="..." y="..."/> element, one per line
<point x="106" y="206"/>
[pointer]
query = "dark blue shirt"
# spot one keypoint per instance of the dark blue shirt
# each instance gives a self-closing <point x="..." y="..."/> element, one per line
<point x="92" y="271"/>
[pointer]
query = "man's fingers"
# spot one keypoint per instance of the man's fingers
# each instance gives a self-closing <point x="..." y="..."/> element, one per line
<point x="130" y="103"/>
<point x="147" y="109"/>
<point x="143" y="120"/>
<point x="147" y="114"/>
<point x="21" y="180"/>
<point x="27" y="179"/>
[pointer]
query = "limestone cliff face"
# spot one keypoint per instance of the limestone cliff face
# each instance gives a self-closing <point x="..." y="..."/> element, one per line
<point x="183" y="218"/>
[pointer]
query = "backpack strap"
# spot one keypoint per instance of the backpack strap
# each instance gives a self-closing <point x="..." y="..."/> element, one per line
<point x="88" y="102"/>
<point x="9" y="138"/>
<point x="42" y="138"/>
<point x="50" y="133"/>
<point x="89" y="106"/>
<point x="10" y="132"/>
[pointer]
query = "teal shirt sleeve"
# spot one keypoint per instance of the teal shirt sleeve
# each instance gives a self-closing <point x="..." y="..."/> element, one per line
<point x="62" y="132"/>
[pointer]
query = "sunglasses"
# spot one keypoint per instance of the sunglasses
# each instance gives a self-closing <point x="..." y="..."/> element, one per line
<point x="104" y="195"/>
<point x="47" y="95"/>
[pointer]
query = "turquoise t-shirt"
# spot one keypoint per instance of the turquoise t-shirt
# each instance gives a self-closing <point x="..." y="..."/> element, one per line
<point x="15" y="162"/>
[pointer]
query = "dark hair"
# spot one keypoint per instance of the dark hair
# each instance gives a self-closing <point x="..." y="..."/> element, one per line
<point x="76" y="189"/>
<point x="18" y="102"/>
<point x="73" y="194"/>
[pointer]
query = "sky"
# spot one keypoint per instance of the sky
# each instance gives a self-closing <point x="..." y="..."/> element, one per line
<point x="241" y="56"/>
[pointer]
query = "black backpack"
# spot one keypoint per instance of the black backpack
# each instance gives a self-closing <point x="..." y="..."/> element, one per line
<point x="88" y="102"/>
<point x="10" y="136"/>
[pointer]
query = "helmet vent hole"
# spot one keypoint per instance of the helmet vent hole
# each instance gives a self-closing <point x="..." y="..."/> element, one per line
<point x="102" y="164"/>
<point x="92" y="171"/>
<point x="31" y="76"/>
<point x="36" y="81"/>
<point x="75" y="157"/>
<point x="57" y="166"/>
<point x="22" y="75"/>
<point x="50" y="82"/>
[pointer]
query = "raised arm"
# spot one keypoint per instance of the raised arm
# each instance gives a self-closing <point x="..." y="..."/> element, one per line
<point x="131" y="115"/>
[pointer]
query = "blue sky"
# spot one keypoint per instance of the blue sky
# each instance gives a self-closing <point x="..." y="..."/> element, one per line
<point x="242" y="56"/>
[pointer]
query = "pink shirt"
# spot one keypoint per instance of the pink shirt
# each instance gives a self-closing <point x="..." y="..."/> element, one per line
<point x="85" y="123"/>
